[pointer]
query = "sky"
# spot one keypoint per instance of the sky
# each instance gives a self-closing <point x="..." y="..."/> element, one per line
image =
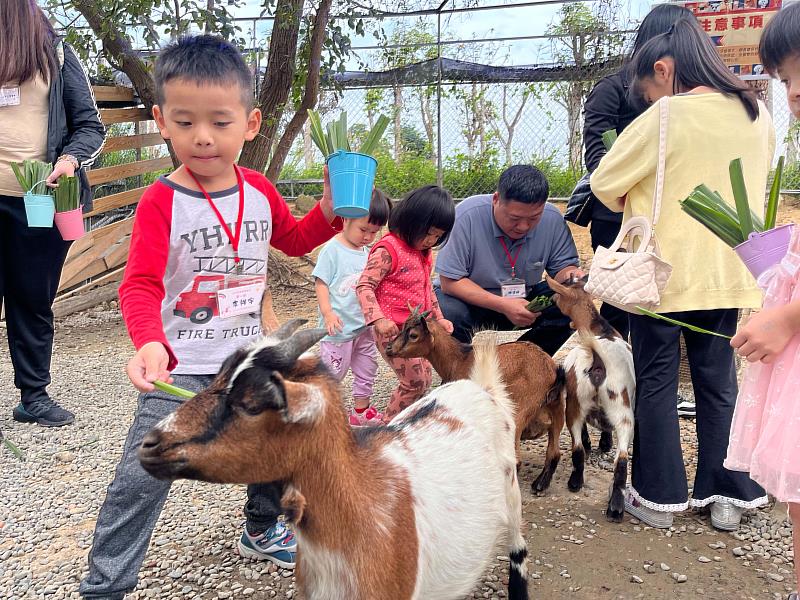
<point x="505" y="22"/>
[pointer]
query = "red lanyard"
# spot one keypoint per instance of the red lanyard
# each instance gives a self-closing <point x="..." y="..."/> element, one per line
<point x="234" y="238"/>
<point x="511" y="261"/>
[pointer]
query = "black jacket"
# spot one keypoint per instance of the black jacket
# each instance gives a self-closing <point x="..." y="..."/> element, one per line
<point x="606" y="108"/>
<point x="74" y="125"/>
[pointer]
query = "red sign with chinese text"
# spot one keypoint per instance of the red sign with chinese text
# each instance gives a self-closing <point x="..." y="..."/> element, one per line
<point x="735" y="27"/>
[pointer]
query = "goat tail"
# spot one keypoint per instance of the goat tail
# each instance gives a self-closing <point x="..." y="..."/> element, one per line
<point x="555" y="393"/>
<point x="486" y="371"/>
<point x="518" y="573"/>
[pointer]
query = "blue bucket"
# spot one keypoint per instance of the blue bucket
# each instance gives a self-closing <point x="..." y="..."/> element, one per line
<point x="39" y="210"/>
<point x="352" y="179"/>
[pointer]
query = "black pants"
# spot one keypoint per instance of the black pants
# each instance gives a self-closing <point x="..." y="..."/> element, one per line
<point x="604" y="233"/>
<point x="549" y="332"/>
<point x="31" y="260"/>
<point x="659" y="476"/>
<point x="263" y="506"/>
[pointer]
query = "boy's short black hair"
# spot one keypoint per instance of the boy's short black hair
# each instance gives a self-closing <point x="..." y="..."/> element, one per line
<point x="523" y="183"/>
<point x="204" y="59"/>
<point x="781" y="38"/>
<point x="421" y="209"/>
<point x="380" y="207"/>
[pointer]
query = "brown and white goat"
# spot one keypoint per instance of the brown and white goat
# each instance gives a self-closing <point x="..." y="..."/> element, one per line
<point x="600" y="389"/>
<point x="412" y="510"/>
<point x="533" y="380"/>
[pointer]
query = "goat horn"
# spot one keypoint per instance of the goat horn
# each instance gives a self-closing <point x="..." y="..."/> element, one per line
<point x="286" y="330"/>
<point x="425" y="315"/>
<point x="300" y="342"/>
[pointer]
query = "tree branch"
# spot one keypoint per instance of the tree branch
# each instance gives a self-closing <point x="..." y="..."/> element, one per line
<point x="310" y="95"/>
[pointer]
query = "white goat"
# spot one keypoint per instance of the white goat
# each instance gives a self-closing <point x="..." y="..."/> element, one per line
<point x="412" y="510"/>
<point x="600" y="389"/>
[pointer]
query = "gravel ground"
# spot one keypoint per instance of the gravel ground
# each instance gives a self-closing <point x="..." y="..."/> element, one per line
<point x="50" y="503"/>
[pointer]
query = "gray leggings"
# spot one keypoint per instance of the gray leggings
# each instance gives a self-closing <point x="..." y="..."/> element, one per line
<point x="134" y="501"/>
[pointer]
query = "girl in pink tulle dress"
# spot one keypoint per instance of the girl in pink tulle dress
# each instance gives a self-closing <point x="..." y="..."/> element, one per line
<point x="765" y="435"/>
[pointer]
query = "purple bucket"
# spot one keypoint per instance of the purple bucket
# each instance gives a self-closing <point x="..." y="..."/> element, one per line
<point x="765" y="249"/>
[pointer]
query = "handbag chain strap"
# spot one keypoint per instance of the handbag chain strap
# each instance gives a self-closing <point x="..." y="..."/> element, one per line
<point x="663" y="113"/>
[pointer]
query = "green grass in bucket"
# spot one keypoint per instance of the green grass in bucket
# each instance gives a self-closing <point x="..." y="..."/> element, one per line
<point x="31" y="175"/>
<point x="733" y="224"/>
<point x="334" y="136"/>
<point x="66" y="196"/>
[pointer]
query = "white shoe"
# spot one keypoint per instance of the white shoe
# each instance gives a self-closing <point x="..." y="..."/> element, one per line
<point x="726" y="516"/>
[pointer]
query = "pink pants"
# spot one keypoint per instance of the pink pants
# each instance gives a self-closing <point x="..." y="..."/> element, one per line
<point x="358" y="355"/>
<point x="414" y="378"/>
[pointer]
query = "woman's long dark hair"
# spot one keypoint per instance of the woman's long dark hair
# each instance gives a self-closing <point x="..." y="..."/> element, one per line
<point x="658" y="21"/>
<point x="696" y="63"/>
<point x="26" y="42"/>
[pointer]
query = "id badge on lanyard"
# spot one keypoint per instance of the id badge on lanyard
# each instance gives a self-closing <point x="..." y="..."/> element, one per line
<point x="241" y="295"/>
<point x="9" y="96"/>
<point x="513" y="287"/>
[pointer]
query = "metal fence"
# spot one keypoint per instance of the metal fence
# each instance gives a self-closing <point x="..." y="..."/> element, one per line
<point x="483" y="128"/>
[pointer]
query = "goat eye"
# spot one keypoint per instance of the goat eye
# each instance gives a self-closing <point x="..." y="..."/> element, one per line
<point x="413" y="336"/>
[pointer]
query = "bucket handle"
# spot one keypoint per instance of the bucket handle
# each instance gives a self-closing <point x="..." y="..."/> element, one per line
<point x="33" y="187"/>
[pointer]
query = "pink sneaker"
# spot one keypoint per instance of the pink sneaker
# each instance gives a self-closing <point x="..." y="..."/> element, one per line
<point x="369" y="418"/>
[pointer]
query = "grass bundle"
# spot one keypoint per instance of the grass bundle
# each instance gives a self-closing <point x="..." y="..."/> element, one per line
<point x="539" y="303"/>
<point x="173" y="389"/>
<point x="66" y="196"/>
<point x="733" y="226"/>
<point x="334" y="136"/>
<point x="31" y="175"/>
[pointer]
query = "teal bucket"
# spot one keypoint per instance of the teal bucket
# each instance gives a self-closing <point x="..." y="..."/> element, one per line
<point x="352" y="178"/>
<point x="39" y="210"/>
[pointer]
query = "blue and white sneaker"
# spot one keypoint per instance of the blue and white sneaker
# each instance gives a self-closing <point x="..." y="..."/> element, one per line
<point x="277" y="544"/>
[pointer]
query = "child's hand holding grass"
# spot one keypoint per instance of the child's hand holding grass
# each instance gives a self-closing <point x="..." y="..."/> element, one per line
<point x="148" y="365"/>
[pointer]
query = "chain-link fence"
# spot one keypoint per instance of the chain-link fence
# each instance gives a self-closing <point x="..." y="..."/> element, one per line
<point x="479" y="128"/>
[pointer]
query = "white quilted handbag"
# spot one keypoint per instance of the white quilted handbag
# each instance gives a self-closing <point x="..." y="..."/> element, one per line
<point x="631" y="272"/>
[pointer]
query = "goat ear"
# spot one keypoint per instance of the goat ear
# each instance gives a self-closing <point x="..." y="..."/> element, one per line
<point x="555" y="286"/>
<point x="305" y="402"/>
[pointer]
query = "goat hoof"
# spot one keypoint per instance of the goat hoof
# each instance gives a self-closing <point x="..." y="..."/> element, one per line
<point x="540" y="485"/>
<point x="615" y="516"/>
<point x="575" y="483"/>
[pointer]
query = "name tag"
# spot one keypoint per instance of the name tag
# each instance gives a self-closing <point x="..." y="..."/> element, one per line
<point x="9" y="96"/>
<point x="512" y="288"/>
<point x="240" y="300"/>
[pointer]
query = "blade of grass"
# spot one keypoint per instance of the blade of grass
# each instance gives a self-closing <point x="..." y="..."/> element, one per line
<point x="173" y="389"/>
<point x="774" y="194"/>
<point x="740" y="195"/>
<point x="714" y="222"/>
<point x="609" y="137"/>
<point x="12" y="447"/>
<point x="644" y="311"/>
<point x="374" y="136"/>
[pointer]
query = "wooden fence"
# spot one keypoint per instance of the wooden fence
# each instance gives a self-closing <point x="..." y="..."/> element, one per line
<point x="99" y="257"/>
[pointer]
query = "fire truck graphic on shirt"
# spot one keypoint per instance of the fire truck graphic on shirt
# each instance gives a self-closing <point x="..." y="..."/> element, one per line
<point x="199" y="303"/>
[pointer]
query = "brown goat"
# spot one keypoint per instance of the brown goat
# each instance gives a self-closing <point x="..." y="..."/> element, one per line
<point x="533" y="380"/>
<point x="380" y="513"/>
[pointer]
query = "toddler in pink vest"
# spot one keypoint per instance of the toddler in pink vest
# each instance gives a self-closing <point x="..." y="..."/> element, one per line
<point x="398" y="275"/>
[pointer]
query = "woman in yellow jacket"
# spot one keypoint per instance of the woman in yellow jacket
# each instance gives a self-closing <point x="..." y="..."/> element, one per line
<point x="713" y="119"/>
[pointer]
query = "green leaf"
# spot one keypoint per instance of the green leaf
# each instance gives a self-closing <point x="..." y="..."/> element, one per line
<point x="774" y="194"/>
<point x="318" y="134"/>
<point x="374" y="136"/>
<point x="609" y="137"/>
<point x="644" y="311"/>
<point x="740" y="195"/>
<point x="66" y="196"/>
<point x="173" y="389"/>
<point x="717" y="222"/>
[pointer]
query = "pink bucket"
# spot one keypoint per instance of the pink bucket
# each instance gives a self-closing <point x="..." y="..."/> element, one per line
<point x="70" y="224"/>
<point x="764" y="249"/>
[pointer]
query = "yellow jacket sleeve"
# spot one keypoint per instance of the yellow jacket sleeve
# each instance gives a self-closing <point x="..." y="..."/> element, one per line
<point x="632" y="159"/>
